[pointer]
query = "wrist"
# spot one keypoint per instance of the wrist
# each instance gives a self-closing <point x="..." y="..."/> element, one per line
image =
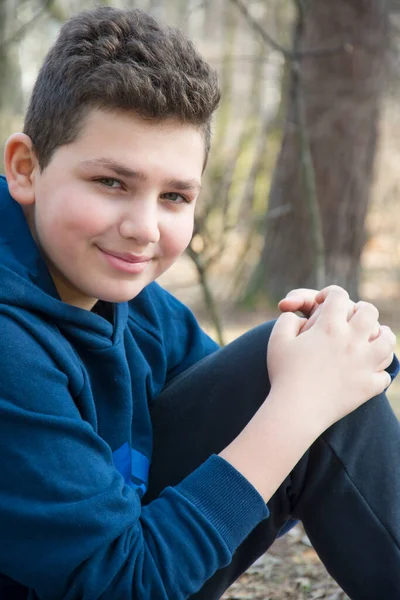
<point x="271" y="444"/>
<point x="297" y="410"/>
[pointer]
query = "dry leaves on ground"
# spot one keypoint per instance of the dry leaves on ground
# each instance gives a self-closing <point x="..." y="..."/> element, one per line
<point x="291" y="570"/>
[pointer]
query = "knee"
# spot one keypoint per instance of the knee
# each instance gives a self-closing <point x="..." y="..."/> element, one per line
<point x="250" y="349"/>
<point x="260" y="334"/>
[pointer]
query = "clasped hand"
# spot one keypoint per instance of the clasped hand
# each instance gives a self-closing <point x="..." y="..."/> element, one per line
<point x="334" y="360"/>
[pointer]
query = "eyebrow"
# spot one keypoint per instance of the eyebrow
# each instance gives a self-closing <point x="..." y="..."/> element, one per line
<point x="123" y="171"/>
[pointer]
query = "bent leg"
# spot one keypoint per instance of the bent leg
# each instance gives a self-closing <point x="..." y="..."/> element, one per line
<point x="350" y="503"/>
<point x="346" y="488"/>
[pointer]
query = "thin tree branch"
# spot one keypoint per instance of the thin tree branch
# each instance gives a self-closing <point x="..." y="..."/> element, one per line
<point x="289" y="54"/>
<point x="207" y="294"/>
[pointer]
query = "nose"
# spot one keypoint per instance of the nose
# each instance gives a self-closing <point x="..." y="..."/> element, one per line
<point x="141" y="223"/>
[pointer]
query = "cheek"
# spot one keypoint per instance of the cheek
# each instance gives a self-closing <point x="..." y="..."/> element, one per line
<point x="177" y="235"/>
<point x="70" y="220"/>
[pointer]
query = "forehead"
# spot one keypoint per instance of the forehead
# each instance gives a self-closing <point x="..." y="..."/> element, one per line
<point x="124" y="135"/>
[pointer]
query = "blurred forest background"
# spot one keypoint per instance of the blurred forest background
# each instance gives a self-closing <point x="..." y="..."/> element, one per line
<point x="302" y="184"/>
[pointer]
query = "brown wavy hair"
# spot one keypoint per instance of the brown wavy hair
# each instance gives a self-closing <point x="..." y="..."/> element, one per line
<point x="109" y="58"/>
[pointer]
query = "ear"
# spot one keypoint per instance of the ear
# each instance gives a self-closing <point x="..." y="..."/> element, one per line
<point x="20" y="165"/>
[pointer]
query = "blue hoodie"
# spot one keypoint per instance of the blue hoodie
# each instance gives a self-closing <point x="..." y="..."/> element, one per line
<point x="75" y="444"/>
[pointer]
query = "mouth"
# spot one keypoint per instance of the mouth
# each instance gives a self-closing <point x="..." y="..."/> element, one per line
<point x="128" y="256"/>
<point x="126" y="261"/>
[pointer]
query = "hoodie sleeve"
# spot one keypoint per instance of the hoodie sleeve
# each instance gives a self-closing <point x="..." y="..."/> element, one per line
<point x="70" y="527"/>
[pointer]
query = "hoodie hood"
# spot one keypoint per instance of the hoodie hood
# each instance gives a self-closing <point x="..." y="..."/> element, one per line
<point x="25" y="282"/>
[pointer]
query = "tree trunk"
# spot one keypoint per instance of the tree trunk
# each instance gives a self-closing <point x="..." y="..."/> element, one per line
<point x="10" y="74"/>
<point x="340" y="94"/>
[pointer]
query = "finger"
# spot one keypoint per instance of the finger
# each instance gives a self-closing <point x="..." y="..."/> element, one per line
<point x="375" y="333"/>
<point x="383" y="348"/>
<point x="312" y="319"/>
<point x="365" y="318"/>
<point x="386" y="363"/>
<point x="381" y="382"/>
<point x="335" y="307"/>
<point x="387" y="332"/>
<point x="323" y="294"/>
<point x="350" y="311"/>
<point x="301" y="299"/>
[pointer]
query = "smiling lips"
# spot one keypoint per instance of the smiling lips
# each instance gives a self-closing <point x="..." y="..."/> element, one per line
<point x="126" y="262"/>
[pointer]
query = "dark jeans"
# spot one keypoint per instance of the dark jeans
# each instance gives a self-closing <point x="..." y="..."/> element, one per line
<point x="345" y="489"/>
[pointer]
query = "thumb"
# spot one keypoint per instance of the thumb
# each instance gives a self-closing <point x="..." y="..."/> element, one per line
<point x="285" y="330"/>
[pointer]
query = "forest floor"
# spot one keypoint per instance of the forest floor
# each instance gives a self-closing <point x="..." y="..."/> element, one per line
<point x="291" y="569"/>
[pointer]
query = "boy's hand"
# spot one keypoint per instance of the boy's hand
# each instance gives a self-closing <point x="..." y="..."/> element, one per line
<point x="317" y="378"/>
<point x="308" y="302"/>
<point x="336" y="365"/>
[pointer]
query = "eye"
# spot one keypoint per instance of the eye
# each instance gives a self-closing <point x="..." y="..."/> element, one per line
<point x="109" y="182"/>
<point x="175" y="198"/>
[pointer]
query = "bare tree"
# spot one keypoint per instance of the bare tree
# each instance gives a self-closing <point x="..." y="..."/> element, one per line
<point x="333" y="98"/>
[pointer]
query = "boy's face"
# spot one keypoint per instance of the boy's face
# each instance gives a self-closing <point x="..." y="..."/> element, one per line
<point x="114" y="209"/>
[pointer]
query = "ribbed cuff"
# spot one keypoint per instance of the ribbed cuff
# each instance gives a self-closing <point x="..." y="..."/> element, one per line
<point x="231" y="504"/>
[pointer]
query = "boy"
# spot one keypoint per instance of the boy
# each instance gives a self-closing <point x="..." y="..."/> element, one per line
<point x="138" y="460"/>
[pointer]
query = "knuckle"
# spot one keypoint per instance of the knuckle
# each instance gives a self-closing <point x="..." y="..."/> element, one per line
<point x="339" y="291"/>
<point x="332" y="327"/>
<point x="368" y="308"/>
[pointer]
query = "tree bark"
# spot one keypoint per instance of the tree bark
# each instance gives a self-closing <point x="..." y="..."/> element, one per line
<point x="340" y="95"/>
